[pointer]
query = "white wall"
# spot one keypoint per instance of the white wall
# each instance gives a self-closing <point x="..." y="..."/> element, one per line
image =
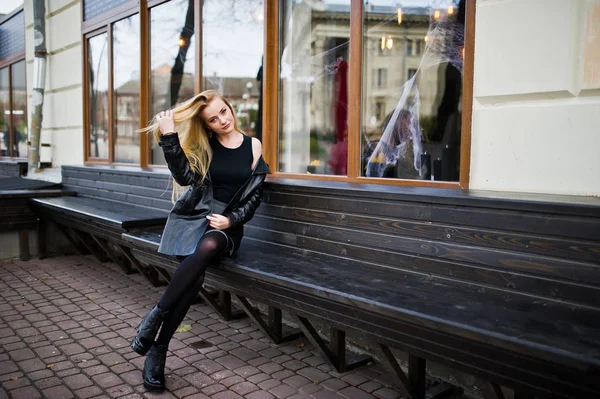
<point x="62" y="124"/>
<point x="536" y="111"/>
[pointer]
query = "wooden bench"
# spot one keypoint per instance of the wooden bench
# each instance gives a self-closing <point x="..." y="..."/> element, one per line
<point x="95" y="226"/>
<point x="16" y="214"/>
<point x="505" y="288"/>
<point x="12" y="168"/>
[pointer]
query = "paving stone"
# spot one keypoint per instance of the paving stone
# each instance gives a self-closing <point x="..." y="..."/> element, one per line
<point x="58" y="392"/>
<point x="77" y="381"/>
<point x="68" y="336"/>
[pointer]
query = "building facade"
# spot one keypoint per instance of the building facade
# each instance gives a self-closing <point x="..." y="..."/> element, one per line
<point x="505" y="95"/>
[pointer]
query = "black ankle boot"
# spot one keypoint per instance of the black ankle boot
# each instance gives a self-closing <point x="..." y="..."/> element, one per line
<point x="147" y="330"/>
<point x="154" y="368"/>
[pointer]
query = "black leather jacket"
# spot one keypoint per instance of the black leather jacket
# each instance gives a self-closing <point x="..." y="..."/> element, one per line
<point x="187" y="220"/>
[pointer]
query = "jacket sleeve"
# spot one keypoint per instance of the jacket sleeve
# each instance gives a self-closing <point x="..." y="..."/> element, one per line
<point x="245" y="212"/>
<point x="176" y="160"/>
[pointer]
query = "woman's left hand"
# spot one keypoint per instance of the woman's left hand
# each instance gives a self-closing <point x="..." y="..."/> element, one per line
<point x="219" y="222"/>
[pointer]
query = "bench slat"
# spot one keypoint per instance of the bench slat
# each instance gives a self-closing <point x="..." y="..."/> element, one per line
<point x="123" y="215"/>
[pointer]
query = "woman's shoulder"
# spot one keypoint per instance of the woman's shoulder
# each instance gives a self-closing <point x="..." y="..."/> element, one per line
<point x="256" y="146"/>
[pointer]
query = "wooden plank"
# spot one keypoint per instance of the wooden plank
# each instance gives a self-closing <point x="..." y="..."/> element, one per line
<point x="121" y="215"/>
<point x="568" y="205"/>
<point x="548" y="279"/>
<point x="583" y="250"/>
<point x="584" y="228"/>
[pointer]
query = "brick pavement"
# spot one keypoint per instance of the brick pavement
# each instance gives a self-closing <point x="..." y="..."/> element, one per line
<point x="66" y="322"/>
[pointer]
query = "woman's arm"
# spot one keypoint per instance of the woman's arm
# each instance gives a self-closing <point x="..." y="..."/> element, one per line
<point x="176" y="160"/>
<point x="169" y="142"/>
<point x="244" y="213"/>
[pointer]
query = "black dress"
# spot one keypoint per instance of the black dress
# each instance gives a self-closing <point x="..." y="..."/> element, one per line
<point x="229" y="169"/>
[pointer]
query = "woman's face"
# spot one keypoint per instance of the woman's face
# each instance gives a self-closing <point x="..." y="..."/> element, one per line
<point x="218" y="116"/>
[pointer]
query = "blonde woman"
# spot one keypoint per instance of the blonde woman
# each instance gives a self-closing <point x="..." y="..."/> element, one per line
<point x="224" y="170"/>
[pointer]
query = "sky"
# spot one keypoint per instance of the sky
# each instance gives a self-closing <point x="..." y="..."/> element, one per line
<point x="6" y="6"/>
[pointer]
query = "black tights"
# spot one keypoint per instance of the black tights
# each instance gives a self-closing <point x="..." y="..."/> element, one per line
<point x="186" y="282"/>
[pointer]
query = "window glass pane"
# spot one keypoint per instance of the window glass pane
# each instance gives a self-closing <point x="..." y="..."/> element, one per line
<point x="232" y="54"/>
<point x="172" y="59"/>
<point x="19" y="109"/>
<point x="126" y="96"/>
<point x="4" y="114"/>
<point x="98" y="95"/>
<point x="314" y="87"/>
<point x="412" y="89"/>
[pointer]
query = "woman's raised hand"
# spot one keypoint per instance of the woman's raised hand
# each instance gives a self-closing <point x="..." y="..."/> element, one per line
<point x="166" y="122"/>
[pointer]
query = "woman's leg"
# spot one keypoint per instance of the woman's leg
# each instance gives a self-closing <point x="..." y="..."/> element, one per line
<point x="192" y="268"/>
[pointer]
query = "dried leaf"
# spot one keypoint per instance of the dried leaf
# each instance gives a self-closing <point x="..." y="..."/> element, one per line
<point x="14" y="378"/>
<point x="50" y="365"/>
<point x="300" y="345"/>
<point x="184" y="328"/>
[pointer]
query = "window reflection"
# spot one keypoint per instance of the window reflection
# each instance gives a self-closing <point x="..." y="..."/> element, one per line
<point x="98" y="95"/>
<point x="412" y="87"/>
<point x="314" y="87"/>
<point x="126" y="58"/>
<point x="172" y="59"/>
<point x="4" y="114"/>
<point x="19" y="110"/>
<point x="232" y="54"/>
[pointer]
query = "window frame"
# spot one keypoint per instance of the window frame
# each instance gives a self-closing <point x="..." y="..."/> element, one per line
<point x="272" y="96"/>
<point x="8" y="63"/>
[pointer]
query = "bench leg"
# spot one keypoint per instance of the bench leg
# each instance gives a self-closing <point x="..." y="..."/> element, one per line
<point x="335" y="351"/>
<point x="91" y="245"/>
<point x="42" y="245"/>
<point x="222" y="306"/>
<point x="416" y="375"/>
<point x="498" y="391"/>
<point x="414" y="384"/>
<point x="75" y="240"/>
<point x="149" y="273"/>
<point x="123" y="262"/>
<point x="406" y="384"/>
<point x="273" y="328"/>
<point x="24" y="245"/>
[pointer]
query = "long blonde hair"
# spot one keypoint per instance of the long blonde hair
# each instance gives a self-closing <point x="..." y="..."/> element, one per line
<point x="193" y="133"/>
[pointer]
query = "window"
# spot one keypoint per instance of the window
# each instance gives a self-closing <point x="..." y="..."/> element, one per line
<point x="13" y="86"/>
<point x="113" y="93"/>
<point x="381" y="78"/>
<point x="313" y="112"/>
<point x="409" y="47"/>
<point x="411" y="72"/>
